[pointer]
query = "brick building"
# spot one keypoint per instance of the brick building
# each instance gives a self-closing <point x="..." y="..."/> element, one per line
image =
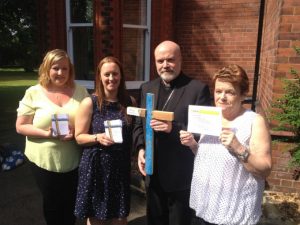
<point x="256" y="34"/>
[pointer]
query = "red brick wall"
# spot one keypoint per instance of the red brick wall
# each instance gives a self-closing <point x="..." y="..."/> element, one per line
<point x="107" y="29"/>
<point x="57" y="29"/>
<point x="281" y="178"/>
<point x="281" y="33"/>
<point x="162" y="26"/>
<point x="269" y="51"/>
<point x="216" y="33"/>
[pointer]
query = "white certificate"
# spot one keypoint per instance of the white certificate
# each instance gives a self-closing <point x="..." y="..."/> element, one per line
<point x="113" y="129"/>
<point x="205" y="120"/>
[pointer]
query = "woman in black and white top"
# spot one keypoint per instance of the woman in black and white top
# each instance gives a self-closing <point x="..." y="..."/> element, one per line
<point x="230" y="170"/>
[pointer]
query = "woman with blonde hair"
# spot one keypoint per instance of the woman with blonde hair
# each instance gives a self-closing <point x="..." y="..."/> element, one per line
<point x="53" y="155"/>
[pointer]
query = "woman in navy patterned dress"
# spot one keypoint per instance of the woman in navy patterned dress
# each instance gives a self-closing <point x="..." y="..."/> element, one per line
<point x="103" y="193"/>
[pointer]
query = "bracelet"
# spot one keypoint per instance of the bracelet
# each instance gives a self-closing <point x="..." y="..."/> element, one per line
<point x="95" y="137"/>
<point x="244" y="155"/>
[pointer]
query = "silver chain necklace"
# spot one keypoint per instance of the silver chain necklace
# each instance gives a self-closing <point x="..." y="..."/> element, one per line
<point x="167" y="101"/>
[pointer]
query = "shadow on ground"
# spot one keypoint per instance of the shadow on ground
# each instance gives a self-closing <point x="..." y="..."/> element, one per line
<point x="21" y="204"/>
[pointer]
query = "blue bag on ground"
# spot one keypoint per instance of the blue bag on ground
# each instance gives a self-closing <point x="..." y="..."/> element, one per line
<point x="10" y="157"/>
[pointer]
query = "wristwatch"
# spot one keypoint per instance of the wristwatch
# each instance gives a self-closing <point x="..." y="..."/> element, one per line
<point x="243" y="155"/>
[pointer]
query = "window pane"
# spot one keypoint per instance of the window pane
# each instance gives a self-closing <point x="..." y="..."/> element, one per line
<point x="83" y="53"/>
<point x="133" y="54"/>
<point x="135" y="12"/>
<point x="81" y="11"/>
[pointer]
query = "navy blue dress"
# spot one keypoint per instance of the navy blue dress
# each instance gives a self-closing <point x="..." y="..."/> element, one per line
<point x="104" y="172"/>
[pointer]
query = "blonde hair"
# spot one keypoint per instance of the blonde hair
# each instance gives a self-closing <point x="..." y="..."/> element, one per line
<point x="50" y="58"/>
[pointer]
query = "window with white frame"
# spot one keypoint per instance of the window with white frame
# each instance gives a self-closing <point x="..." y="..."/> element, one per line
<point x="136" y="39"/>
<point x="79" y="16"/>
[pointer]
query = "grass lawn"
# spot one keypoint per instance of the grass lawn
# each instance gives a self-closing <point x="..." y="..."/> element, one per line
<point x="13" y="83"/>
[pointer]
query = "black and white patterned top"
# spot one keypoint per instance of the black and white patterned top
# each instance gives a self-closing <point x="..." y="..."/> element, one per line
<point x="222" y="190"/>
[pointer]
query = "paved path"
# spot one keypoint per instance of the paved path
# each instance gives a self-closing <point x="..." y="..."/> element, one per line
<point x="20" y="202"/>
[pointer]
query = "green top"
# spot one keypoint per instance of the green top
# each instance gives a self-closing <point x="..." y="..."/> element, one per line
<point x="51" y="154"/>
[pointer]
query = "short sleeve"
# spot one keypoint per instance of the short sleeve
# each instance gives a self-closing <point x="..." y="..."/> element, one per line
<point x="80" y="93"/>
<point x="26" y="105"/>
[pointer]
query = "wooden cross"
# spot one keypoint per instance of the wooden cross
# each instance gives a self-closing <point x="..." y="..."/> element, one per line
<point x="149" y="113"/>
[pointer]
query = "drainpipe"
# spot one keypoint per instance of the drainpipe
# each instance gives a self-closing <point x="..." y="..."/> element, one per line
<point x="258" y="51"/>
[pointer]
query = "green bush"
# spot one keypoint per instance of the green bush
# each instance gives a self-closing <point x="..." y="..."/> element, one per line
<point x="288" y="115"/>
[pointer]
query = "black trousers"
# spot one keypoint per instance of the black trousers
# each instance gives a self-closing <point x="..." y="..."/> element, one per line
<point x="167" y="208"/>
<point x="199" y="221"/>
<point x="59" y="194"/>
